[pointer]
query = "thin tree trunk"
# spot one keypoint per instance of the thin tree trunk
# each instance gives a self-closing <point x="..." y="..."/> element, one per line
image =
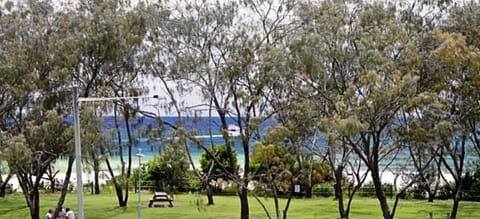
<point x="275" y="201"/>
<point x="210" y="194"/>
<point x="66" y="183"/>
<point x="35" y="202"/>
<point x="339" y="191"/>
<point x="431" y="196"/>
<point x="380" y="194"/>
<point x="3" y="185"/>
<point x="287" y="205"/>
<point x="456" y="201"/>
<point x="308" y="191"/>
<point x="244" y="209"/>
<point x="96" y="173"/>
<point x="96" y="189"/>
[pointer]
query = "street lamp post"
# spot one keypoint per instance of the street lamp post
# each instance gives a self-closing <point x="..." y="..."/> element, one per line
<point x="139" y="184"/>
<point x="78" y="152"/>
<point x="76" y="129"/>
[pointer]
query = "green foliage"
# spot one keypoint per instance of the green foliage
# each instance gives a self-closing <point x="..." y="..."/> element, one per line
<point x="194" y="183"/>
<point x="324" y="190"/>
<point x="9" y="189"/>
<point x="368" y="190"/>
<point x="223" y="157"/>
<point x="169" y="170"/>
<point x="446" y="191"/>
<point x="471" y="186"/>
<point x="414" y="193"/>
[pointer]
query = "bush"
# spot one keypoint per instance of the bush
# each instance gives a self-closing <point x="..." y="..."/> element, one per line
<point x="368" y="190"/>
<point x="9" y="189"/>
<point x="413" y="193"/>
<point x="445" y="192"/>
<point x="323" y="190"/>
<point x="471" y="186"/>
<point x="230" y="190"/>
<point x="194" y="183"/>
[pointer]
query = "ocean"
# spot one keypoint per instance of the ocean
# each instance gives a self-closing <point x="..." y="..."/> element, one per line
<point x="205" y="129"/>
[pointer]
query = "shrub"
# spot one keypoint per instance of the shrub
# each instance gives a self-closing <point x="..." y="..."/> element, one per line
<point x="413" y="193"/>
<point x="9" y="189"/>
<point x="368" y="190"/>
<point x="445" y="192"/>
<point x="323" y="190"/>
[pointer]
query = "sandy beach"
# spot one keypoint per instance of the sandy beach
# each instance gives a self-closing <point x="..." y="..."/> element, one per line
<point x="87" y="176"/>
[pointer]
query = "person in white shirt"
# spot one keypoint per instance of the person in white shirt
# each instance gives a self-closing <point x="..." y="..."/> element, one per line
<point x="70" y="214"/>
<point x="49" y="214"/>
<point x="61" y="214"/>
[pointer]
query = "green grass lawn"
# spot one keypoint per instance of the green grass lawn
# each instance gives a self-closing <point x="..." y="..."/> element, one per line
<point x="193" y="207"/>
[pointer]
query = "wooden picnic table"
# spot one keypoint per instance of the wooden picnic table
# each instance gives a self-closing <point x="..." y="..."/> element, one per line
<point x="160" y="197"/>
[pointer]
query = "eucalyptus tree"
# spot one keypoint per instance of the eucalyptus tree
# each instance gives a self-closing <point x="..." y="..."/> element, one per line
<point x="360" y="68"/>
<point x="105" y="38"/>
<point x="418" y="136"/>
<point x="324" y="63"/>
<point x="303" y="139"/>
<point x="92" y="143"/>
<point x="464" y="20"/>
<point x="325" y="60"/>
<point x="32" y="152"/>
<point x="6" y="99"/>
<point x="36" y="130"/>
<point x="273" y="172"/>
<point x="208" y="47"/>
<point x="457" y="63"/>
<point x="212" y="171"/>
<point x="169" y="169"/>
<point x="277" y="169"/>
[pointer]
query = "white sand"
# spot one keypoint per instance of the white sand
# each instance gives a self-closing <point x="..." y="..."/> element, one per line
<point x="87" y="176"/>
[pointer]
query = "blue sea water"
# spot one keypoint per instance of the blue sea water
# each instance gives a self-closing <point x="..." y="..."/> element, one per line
<point x="205" y="129"/>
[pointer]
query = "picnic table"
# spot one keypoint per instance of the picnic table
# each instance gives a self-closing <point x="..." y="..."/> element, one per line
<point x="160" y="197"/>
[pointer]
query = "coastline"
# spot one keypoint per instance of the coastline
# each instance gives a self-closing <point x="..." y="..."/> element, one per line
<point x="87" y="175"/>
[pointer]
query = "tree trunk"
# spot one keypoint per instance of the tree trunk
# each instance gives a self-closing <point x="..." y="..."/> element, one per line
<point x="3" y="188"/>
<point x="289" y="199"/>
<point x="456" y="201"/>
<point x="431" y="196"/>
<point x="53" y="185"/>
<point x="339" y="196"/>
<point x="30" y="192"/>
<point x="380" y="194"/>
<point x="35" y="205"/>
<point x="118" y="188"/>
<point x="96" y="184"/>
<point x="66" y="183"/>
<point x="244" y="209"/>
<point x="338" y="174"/>
<point x="210" y="195"/>
<point x="275" y="201"/>
<point x="308" y="191"/>
<point x="3" y="185"/>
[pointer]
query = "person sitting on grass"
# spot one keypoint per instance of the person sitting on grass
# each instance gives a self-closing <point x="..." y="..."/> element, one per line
<point x="49" y="214"/>
<point x="69" y="214"/>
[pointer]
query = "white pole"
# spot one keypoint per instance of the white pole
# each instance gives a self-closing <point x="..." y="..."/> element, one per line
<point x="139" y="208"/>
<point x="78" y="152"/>
<point x="78" y="147"/>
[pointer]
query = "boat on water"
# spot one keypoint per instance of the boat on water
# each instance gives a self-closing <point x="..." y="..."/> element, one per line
<point x="233" y="130"/>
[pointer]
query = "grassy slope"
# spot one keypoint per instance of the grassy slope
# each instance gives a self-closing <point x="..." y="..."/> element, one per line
<point x="192" y="207"/>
